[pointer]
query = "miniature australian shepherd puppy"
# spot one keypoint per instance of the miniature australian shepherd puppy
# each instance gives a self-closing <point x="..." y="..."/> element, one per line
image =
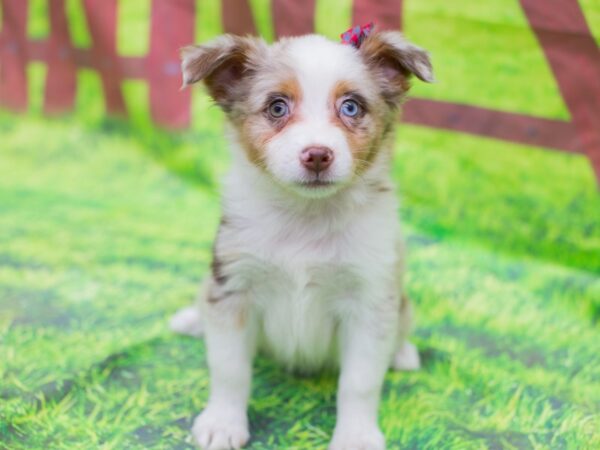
<point x="308" y="258"/>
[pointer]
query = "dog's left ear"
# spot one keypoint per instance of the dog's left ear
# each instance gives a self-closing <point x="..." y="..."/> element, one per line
<point x="394" y="61"/>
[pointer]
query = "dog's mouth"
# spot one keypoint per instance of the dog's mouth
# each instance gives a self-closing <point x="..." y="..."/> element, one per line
<point x="315" y="184"/>
<point x="316" y="188"/>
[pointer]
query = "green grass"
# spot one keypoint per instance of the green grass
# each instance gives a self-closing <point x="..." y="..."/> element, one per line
<point x="484" y="53"/>
<point x="106" y="229"/>
<point x="100" y="243"/>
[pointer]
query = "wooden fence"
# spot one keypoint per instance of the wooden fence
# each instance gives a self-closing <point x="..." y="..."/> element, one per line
<point x="559" y="26"/>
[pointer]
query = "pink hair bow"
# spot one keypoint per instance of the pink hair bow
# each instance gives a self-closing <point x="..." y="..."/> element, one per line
<point x="357" y="34"/>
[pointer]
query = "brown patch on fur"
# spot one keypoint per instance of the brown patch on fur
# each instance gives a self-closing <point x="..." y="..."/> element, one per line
<point x="341" y="88"/>
<point x="383" y="188"/>
<point x="216" y="265"/>
<point x="290" y="88"/>
<point x="222" y="64"/>
<point x="370" y="131"/>
<point x="382" y="60"/>
<point x="363" y="146"/>
<point x="404" y="302"/>
<point x="216" y="298"/>
<point x="256" y="129"/>
<point x="242" y="316"/>
<point x="376" y="186"/>
<point x="406" y="317"/>
<point x="218" y="290"/>
<point x="364" y="138"/>
<point x="362" y="132"/>
<point x="217" y="270"/>
<point x="212" y="299"/>
<point x="250" y="144"/>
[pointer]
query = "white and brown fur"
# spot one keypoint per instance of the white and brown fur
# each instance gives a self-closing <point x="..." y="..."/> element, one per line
<point x="307" y="267"/>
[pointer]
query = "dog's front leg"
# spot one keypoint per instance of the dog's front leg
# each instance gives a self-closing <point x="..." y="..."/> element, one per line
<point x="223" y="425"/>
<point x="366" y="346"/>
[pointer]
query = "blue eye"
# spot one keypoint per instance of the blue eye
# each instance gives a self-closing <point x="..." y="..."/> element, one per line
<point x="350" y="108"/>
<point x="278" y="109"/>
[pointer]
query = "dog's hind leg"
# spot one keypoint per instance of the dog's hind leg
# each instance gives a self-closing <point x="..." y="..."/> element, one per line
<point x="406" y="356"/>
<point x="188" y="320"/>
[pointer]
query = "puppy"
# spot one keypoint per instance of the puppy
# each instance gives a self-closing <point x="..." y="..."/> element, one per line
<point x="307" y="262"/>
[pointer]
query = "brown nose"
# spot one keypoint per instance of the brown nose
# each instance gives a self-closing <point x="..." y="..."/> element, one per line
<point x="316" y="159"/>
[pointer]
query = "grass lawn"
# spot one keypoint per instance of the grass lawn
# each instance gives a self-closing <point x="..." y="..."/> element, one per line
<point x="106" y="230"/>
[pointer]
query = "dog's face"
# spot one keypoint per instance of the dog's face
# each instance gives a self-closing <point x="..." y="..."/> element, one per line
<point x="311" y="113"/>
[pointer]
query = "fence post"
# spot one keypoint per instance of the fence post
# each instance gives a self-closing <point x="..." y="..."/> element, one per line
<point x="237" y="17"/>
<point x="574" y="57"/>
<point x="172" y="27"/>
<point x="387" y="14"/>
<point x="293" y="18"/>
<point x="101" y="16"/>
<point x="61" y="79"/>
<point x="13" y="55"/>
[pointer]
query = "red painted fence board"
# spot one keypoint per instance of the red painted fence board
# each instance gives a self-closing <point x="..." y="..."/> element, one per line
<point x="561" y="30"/>
<point x="61" y="78"/>
<point x="13" y="55"/>
<point x="102" y="22"/>
<point x="549" y="133"/>
<point x="293" y="18"/>
<point x="169" y="106"/>
<point x="237" y="17"/>
<point x="385" y="13"/>
<point x="574" y="58"/>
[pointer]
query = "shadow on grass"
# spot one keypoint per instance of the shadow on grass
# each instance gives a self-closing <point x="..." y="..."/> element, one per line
<point x="179" y="152"/>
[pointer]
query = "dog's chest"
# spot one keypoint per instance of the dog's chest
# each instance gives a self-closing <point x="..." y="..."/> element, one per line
<point x="301" y="279"/>
<point x="297" y="310"/>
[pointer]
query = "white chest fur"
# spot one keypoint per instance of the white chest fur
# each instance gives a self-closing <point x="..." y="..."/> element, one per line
<point x="297" y="309"/>
<point x="303" y="271"/>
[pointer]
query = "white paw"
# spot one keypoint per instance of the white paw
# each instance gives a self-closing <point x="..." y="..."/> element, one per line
<point x="357" y="438"/>
<point x="216" y="429"/>
<point x="187" y="321"/>
<point x="407" y="358"/>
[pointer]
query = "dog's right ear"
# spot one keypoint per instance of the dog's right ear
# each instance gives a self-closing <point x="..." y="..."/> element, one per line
<point x="393" y="60"/>
<point x="222" y="64"/>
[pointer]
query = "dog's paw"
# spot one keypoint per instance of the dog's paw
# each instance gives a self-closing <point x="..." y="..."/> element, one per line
<point x="407" y="358"/>
<point x="216" y="429"/>
<point x="187" y="321"/>
<point x="357" y="438"/>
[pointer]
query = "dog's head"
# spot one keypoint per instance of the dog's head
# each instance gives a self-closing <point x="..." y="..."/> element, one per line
<point x="311" y="113"/>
